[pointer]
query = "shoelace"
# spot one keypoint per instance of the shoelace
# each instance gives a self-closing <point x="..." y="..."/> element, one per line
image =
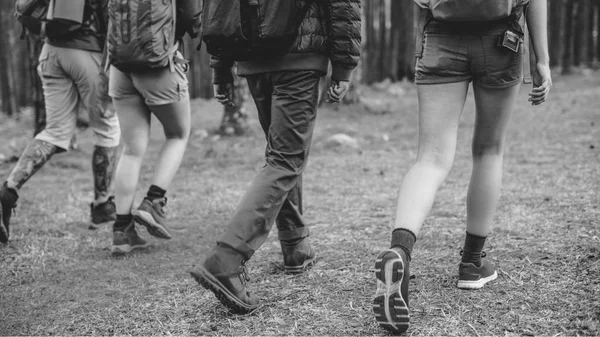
<point x="244" y="277"/>
<point x="163" y="205"/>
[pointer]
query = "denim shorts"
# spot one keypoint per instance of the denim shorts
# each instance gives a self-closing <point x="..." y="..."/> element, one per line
<point x="456" y="52"/>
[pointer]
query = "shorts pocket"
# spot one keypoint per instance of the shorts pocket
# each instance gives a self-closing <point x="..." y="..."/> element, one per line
<point x="438" y="52"/>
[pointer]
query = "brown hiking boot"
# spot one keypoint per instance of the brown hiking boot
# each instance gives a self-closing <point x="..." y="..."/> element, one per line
<point x="127" y="240"/>
<point x="8" y="202"/>
<point x="151" y="214"/>
<point x="103" y="214"/>
<point x="298" y="256"/>
<point x="228" y="283"/>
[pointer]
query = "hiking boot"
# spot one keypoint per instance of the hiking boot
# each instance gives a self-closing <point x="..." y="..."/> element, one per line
<point x="228" y="283"/>
<point x="472" y="277"/>
<point x="390" y="304"/>
<point x="298" y="257"/>
<point x="151" y="214"/>
<point x="8" y="202"/>
<point x="127" y="240"/>
<point x="103" y="214"/>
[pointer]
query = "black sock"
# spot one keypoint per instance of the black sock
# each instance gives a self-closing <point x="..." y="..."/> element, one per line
<point x="471" y="252"/>
<point x="404" y="239"/>
<point x="123" y="220"/>
<point x="155" y="192"/>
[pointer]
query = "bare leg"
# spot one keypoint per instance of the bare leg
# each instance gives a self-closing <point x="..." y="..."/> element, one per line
<point x="176" y="120"/>
<point x="134" y="118"/>
<point x="494" y="107"/>
<point x="440" y="108"/>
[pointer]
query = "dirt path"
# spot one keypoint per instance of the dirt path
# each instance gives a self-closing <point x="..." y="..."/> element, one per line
<point x="57" y="277"/>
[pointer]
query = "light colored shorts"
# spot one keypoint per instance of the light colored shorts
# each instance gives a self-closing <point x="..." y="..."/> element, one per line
<point x="74" y="83"/>
<point x="154" y="86"/>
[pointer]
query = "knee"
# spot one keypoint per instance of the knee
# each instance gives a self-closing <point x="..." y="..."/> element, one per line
<point x="134" y="150"/>
<point x="438" y="161"/>
<point x="487" y="148"/>
<point x="179" y="134"/>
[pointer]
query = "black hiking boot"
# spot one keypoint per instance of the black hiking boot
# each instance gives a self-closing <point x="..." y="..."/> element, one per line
<point x="226" y="277"/>
<point x="103" y="214"/>
<point x="8" y="202"/>
<point x="297" y="257"/>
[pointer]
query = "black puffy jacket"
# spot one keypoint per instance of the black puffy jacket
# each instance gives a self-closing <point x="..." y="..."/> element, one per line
<point x="330" y="32"/>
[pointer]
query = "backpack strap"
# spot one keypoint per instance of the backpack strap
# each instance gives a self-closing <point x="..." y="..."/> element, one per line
<point x="175" y="45"/>
<point x="529" y="62"/>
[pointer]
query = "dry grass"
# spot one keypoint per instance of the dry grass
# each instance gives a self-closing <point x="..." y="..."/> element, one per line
<point x="57" y="277"/>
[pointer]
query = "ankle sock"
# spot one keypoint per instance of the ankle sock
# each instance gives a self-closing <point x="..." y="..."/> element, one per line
<point x="155" y="192"/>
<point x="472" y="249"/>
<point x="404" y="239"/>
<point x="123" y="220"/>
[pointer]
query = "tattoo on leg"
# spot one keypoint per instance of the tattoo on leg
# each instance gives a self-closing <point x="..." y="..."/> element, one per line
<point x="36" y="154"/>
<point x="103" y="165"/>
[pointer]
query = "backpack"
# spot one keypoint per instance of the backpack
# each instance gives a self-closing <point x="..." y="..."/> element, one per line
<point x="141" y="34"/>
<point x="472" y="10"/>
<point x="244" y="30"/>
<point x="52" y="18"/>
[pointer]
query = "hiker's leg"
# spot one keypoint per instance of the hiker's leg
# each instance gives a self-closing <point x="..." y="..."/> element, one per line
<point x="176" y="120"/>
<point x="494" y="108"/>
<point x="61" y="100"/>
<point x="440" y="108"/>
<point x="92" y="85"/>
<point x="134" y="120"/>
<point x="293" y="113"/>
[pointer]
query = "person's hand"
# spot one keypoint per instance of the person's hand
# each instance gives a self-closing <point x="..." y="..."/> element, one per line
<point x="542" y="81"/>
<point x="337" y="91"/>
<point x="224" y="93"/>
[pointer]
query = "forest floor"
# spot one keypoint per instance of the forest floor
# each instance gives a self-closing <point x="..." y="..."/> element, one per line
<point x="58" y="278"/>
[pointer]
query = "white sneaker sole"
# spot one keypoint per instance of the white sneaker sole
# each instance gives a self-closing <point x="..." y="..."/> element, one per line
<point x="477" y="284"/>
<point x="390" y="309"/>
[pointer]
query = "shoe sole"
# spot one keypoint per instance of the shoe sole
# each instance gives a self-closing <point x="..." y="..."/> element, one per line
<point x="117" y="250"/>
<point x="155" y="229"/>
<point x="462" y="284"/>
<point x="390" y="309"/>
<point x="95" y="226"/>
<point x="302" y="268"/>
<point x="208" y="281"/>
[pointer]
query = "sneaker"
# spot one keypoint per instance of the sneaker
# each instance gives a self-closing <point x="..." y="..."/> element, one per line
<point x="472" y="277"/>
<point x="297" y="258"/>
<point x="390" y="304"/>
<point x="228" y="285"/>
<point x="151" y="214"/>
<point x="103" y="214"/>
<point x="8" y="202"/>
<point x="127" y="240"/>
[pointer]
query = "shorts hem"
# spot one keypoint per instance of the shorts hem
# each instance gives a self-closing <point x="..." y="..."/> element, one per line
<point x="502" y="85"/>
<point x="443" y="80"/>
<point x="49" y="139"/>
<point x="165" y="101"/>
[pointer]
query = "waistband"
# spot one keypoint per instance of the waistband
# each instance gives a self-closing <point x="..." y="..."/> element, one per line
<point x="467" y="28"/>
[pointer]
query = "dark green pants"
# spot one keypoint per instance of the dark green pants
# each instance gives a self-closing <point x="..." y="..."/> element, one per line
<point x="287" y="106"/>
